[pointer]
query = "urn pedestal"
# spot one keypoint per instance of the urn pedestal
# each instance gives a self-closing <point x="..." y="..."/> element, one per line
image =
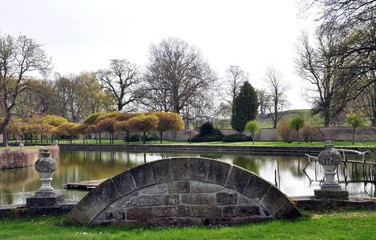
<point x="329" y="159"/>
<point x="46" y="194"/>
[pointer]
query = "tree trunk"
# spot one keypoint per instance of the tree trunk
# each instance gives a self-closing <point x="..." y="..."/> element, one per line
<point x="161" y="136"/>
<point x="353" y="136"/>
<point x="144" y="137"/>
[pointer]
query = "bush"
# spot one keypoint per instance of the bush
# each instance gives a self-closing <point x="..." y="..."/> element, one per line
<point x="285" y="132"/>
<point x="235" y="138"/>
<point x="208" y="134"/>
<point x="136" y="137"/>
<point x="308" y="132"/>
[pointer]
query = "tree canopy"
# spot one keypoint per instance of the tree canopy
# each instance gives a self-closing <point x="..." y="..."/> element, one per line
<point x="245" y="107"/>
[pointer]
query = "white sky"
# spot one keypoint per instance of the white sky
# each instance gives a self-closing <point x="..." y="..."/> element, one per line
<point x="83" y="35"/>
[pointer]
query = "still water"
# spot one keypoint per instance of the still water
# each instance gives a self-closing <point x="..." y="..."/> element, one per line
<point x="283" y="171"/>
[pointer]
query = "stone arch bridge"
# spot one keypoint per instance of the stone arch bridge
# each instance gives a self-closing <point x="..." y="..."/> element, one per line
<point x="183" y="191"/>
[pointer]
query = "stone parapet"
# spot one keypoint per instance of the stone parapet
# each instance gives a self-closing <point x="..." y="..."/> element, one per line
<point x="183" y="191"/>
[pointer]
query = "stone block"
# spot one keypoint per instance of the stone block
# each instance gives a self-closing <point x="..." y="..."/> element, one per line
<point x="278" y="204"/>
<point x="218" y="172"/>
<point x="224" y="198"/>
<point x="240" y="211"/>
<point x="143" y="175"/>
<point x="107" y="192"/>
<point x="197" y="198"/>
<point x="162" y="188"/>
<point x="288" y="210"/>
<point x="172" y="211"/>
<point x="331" y="194"/>
<point x="139" y="214"/>
<point x="90" y="205"/>
<point x="238" y="179"/>
<point x="257" y="188"/>
<point x="44" y="201"/>
<point x="179" y="167"/>
<point x="206" y="212"/>
<point x="171" y="199"/>
<point x="162" y="171"/>
<point x="203" y="187"/>
<point x="199" y="169"/>
<point x="179" y="187"/>
<point x="148" y="200"/>
<point x="124" y="183"/>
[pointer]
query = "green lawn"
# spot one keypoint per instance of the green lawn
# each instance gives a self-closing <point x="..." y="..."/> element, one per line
<point x="333" y="225"/>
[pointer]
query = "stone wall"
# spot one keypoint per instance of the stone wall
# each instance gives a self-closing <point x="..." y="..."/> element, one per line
<point x="271" y="134"/>
<point x="183" y="191"/>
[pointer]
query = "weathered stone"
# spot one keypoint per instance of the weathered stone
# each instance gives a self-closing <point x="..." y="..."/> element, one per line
<point x="203" y="187"/>
<point x="146" y="200"/>
<point x="240" y="211"/>
<point x="274" y="199"/>
<point x="199" y="169"/>
<point x="198" y="198"/>
<point x="179" y="187"/>
<point x="190" y="197"/>
<point x="180" y="168"/>
<point x="171" y="199"/>
<point x="224" y="198"/>
<point x="108" y="192"/>
<point x="218" y="172"/>
<point x="44" y="201"/>
<point x="206" y="212"/>
<point x="238" y="179"/>
<point x="172" y="211"/>
<point x="257" y="188"/>
<point x="162" y="171"/>
<point x="140" y="213"/>
<point x="124" y="183"/>
<point x="162" y="188"/>
<point x="143" y="175"/>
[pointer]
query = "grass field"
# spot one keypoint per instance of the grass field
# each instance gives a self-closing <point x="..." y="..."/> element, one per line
<point x="329" y="225"/>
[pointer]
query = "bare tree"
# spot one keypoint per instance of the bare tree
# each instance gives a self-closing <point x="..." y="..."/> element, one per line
<point x="277" y="94"/>
<point x="332" y="86"/>
<point x="235" y="78"/>
<point x="121" y="81"/>
<point x="177" y="76"/>
<point x="264" y="100"/>
<point x="353" y="22"/>
<point x="20" y="58"/>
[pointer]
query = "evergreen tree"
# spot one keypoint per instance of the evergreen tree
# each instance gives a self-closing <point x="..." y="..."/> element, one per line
<point x="245" y="107"/>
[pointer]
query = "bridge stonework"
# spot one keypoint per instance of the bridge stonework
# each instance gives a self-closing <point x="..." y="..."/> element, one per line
<point x="183" y="191"/>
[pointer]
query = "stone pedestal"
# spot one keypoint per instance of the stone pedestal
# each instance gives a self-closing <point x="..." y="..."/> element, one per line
<point x="46" y="194"/>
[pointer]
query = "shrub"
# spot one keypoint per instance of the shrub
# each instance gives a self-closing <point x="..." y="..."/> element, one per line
<point x="135" y="137"/>
<point x="235" y="138"/>
<point x="208" y="134"/>
<point x="308" y="132"/>
<point x="285" y="132"/>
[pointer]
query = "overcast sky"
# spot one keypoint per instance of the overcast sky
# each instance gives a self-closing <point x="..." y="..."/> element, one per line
<point x="83" y="35"/>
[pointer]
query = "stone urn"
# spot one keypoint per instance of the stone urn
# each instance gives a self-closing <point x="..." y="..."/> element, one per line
<point x="46" y="166"/>
<point x="329" y="159"/>
<point x="46" y="194"/>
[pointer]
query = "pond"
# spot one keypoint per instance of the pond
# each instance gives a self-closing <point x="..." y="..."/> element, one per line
<point x="283" y="171"/>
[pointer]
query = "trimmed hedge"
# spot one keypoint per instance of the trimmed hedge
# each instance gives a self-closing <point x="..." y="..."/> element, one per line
<point x="236" y="138"/>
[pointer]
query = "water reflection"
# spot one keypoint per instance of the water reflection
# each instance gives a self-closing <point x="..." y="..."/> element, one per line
<point x="285" y="172"/>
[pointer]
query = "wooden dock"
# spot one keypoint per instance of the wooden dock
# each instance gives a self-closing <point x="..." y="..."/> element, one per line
<point x="84" y="185"/>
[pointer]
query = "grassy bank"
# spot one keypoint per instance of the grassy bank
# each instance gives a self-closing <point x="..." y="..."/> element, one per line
<point x="332" y="225"/>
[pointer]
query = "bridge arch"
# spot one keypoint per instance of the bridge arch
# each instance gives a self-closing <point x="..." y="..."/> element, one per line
<point x="183" y="191"/>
